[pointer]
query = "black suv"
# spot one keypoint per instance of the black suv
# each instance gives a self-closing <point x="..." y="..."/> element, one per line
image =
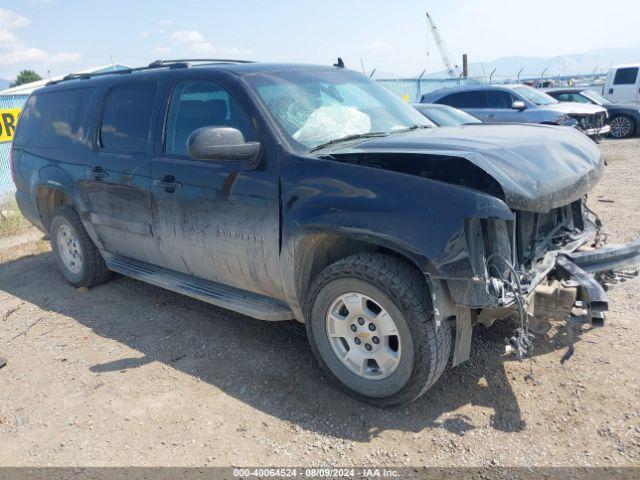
<point x="312" y="193"/>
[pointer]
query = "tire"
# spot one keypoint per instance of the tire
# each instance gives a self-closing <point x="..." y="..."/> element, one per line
<point x="81" y="264"/>
<point x="386" y="285"/>
<point x="622" y="126"/>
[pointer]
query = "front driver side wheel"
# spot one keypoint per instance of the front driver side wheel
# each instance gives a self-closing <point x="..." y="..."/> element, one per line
<point x="371" y="327"/>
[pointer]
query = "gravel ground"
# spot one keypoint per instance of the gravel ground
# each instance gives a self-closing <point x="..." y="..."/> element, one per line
<point x="130" y="374"/>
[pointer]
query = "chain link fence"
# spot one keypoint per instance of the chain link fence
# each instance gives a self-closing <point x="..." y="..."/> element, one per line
<point x="7" y="188"/>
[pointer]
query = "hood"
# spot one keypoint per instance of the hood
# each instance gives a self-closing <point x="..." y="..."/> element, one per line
<point x="537" y="167"/>
<point x="574" y="108"/>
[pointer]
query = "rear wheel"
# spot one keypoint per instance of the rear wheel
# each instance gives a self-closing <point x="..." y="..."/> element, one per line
<point x="622" y="126"/>
<point x="370" y="325"/>
<point x="77" y="257"/>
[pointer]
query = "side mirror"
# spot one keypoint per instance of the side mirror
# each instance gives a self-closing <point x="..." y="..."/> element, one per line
<point x="518" y="105"/>
<point x="222" y="143"/>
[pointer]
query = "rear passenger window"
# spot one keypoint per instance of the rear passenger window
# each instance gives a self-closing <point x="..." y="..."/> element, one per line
<point x="196" y="104"/>
<point x="472" y="99"/>
<point x="54" y="119"/>
<point x="626" y="76"/>
<point x="126" y="118"/>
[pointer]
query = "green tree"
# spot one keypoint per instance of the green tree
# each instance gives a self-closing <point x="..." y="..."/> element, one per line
<point x="25" y="76"/>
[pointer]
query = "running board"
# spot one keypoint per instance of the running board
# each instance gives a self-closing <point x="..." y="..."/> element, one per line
<point x="231" y="298"/>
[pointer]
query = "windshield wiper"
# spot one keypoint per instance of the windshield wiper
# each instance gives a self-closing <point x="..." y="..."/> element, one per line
<point x="412" y="127"/>
<point x="346" y="139"/>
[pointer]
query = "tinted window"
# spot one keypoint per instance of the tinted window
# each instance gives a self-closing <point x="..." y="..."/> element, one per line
<point x="197" y="104"/>
<point x="126" y="118"/>
<point x="626" y="76"/>
<point x="473" y="99"/>
<point x="571" y="97"/>
<point x="54" y="119"/>
<point x="499" y="99"/>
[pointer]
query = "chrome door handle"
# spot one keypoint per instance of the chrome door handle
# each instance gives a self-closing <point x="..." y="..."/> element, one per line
<point x="168" y="183"/>
<point x="98" y="173"/>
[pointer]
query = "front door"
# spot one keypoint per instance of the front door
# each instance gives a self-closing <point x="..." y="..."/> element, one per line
<point x="624" y="87"/>
<point x="116" y="185"/>
<point x="213" y="219"/>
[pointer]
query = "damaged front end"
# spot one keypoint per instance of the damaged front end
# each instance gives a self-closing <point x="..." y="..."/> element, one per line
<point x="539" y="265"/>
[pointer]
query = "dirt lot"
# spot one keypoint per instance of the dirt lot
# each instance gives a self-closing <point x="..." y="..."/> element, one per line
<point x="130" y="374"/>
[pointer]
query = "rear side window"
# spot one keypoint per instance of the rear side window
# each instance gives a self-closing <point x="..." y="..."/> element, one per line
<point x="626" y="76"/>
<point x="126" y="118"/>
<point x="473" y="99"/>
<point x="54" y="119"/>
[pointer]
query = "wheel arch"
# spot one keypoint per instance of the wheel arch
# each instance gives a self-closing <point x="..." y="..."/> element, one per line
<point x="313" y="251"/>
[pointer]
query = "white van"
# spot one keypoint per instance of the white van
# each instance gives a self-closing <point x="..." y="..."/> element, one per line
<point x="623" y="84"/>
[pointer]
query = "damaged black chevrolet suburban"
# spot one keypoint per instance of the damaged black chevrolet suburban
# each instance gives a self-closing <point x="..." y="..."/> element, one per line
<point x="312" y="193"/>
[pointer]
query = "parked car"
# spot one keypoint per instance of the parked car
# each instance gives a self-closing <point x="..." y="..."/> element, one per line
<point x="522" y="104"/>
<point x="622" y="84"/>
<point x="444" y="115"/>
<point x="313" y="193"/>
<point x="624" y="118"/>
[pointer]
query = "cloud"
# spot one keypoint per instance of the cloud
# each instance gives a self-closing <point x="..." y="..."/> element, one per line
<point x="11" y="20"/>
<point x="161" y="50"/>
<point x="196" y="43"/>
<point x="188" y="36"/>
<point x="16" y="54"/>
<point x="144" y="34"/>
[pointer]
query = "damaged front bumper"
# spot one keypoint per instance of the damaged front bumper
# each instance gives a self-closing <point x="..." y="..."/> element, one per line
<point x="534" y="267"/>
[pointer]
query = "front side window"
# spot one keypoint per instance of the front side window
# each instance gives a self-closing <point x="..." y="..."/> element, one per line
<point x="126" y="118"/>
<point x="315" y="107"/>
<point x="196" y="104"/>
<point x="500" y="99"/>
<point x="626" y="76"/>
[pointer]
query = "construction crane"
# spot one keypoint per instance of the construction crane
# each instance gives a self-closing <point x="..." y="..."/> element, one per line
<point x="443" y="51"/>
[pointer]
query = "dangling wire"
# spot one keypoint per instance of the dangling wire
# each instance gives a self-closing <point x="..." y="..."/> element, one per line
<point x="521" y="340"/>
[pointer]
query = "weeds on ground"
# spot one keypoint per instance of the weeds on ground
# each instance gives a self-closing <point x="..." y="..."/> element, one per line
<point x="11" y="220"/>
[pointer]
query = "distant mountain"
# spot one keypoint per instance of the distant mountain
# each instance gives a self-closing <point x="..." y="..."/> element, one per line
<point x="573" y="64"/>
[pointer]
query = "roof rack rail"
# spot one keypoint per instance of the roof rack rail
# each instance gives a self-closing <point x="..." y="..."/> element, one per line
<point x="179" y="63"/>
<point x="200" y="60"/>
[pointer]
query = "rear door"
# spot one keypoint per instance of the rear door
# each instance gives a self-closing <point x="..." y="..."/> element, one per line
<point x="212" y="219"/>
<point x="624" y="86"/>
<point x="116" y="185"/>
<point x="473" y="102"/>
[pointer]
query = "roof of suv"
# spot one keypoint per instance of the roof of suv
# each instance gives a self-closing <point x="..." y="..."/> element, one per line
<point x="238" y="67"/>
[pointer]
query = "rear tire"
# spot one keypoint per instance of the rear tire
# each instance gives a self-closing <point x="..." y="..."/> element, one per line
<point x="403" y="363"/>
<point x="622" y="126"/>
<point x="77" y="257"/>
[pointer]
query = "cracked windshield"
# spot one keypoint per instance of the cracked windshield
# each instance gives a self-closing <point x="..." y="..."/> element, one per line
<point x="314" y="109"/>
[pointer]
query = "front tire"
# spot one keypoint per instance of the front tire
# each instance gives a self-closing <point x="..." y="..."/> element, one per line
<point x="622" y="126"/>
<point x="77" y="257"/>
<point x="370" y="325"/>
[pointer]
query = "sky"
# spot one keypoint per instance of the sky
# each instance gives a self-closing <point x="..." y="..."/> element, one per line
<point x="60" y="36"/>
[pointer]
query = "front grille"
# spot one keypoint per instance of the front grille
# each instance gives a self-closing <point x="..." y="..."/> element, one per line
<point x="596" y="120"/>
<point x="537" y="233"/>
